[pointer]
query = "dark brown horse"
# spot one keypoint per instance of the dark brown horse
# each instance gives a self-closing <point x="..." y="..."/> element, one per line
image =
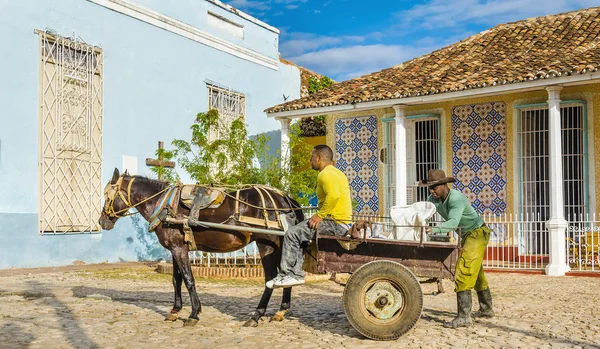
<point x="124" y="192"/>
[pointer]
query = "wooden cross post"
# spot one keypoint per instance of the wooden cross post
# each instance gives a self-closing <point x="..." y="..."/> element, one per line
<point x="160" y="162"/>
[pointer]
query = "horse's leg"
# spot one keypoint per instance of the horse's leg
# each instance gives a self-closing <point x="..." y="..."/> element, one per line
<point x="178" y="302"/>
<point x="286" y="301"/>
<point x="270" y="262"/>
<point x="180" y="254"/>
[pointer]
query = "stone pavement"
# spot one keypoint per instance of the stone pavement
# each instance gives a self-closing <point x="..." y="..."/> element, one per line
<point x="123" y="306"/>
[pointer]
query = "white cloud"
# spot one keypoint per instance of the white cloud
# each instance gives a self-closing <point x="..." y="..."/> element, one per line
<point x="450" y="13"/>
<point x="343" y="63"/>
<point x="291" y="7"/>
<point x="295" y="44"/>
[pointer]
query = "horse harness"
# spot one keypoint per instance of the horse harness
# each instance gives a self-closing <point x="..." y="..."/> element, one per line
<point x="111" y="191"/>
<point x="175" y="194"/>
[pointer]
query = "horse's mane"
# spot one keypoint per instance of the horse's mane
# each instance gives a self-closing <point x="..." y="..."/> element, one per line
<point x="150" y="183"/>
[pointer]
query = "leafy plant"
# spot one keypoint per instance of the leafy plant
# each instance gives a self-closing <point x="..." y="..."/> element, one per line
<point x="221" y="153"/>
<point x="164" y="173"/>
<point x="316" y="84"/>
<point x="316" y="126"/>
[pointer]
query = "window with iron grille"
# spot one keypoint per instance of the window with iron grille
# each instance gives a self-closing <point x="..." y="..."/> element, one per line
<point x="534" y="167"/>
<point x="422" y="155"/>
<point x="70" y="156"/>
<point x="230" y="105"/>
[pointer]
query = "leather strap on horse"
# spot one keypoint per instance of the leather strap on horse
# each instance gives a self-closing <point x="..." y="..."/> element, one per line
<point x="265" y="222"/>
<point x="189" y="236"/>
<point x="164" y="207"/>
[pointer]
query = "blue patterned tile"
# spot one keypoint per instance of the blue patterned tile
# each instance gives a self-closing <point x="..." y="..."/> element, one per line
<point x="495" y="161"/>
<point x="457" y="164"/>
<point x="494" y="140"/>
<point x="371" y="124"/>
<point x="357" y="184"/>
<point x="357" y="164"/>
<point x="478" y="206"/>
<point x="373" y="183"/>
<point x="359" y="203"/>
<point x="360" y="160"/>
<point x="372" y="143"/>
<point x="340" y="146"/>
<point x="475" y="163"/>
<point x="494" y="118"/>
<point x="355" y="126"/>
<point x="372" y="163"/>
<point x="486" y="188"/>
<point x="456" y="122"/>
<point x="340" y="128"/>
<point x="473" y="120"/>
<point x="458" y="186"/>
<point x="341" y="164"/>
<point x="356" y="145"/>
<point x="500" y="206"/>
<point x="497" y="183"/>
<point x="474" y="141"/>
<point x="374" y="203"/>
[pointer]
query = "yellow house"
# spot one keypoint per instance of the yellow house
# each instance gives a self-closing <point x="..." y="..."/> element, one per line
<point x="508" y="112"/>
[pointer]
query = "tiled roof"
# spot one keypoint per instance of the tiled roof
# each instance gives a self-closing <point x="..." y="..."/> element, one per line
<point x="537" y="48"/>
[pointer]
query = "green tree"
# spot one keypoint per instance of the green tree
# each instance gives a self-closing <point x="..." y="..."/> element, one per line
<point x="164" y="173"/>
<point x="220" y="153"/>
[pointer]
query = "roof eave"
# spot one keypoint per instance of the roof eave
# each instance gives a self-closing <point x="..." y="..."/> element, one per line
<point x="442" y="97"/>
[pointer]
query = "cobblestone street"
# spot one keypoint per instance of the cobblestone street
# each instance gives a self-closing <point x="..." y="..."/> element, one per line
<point x="124" y="307"/>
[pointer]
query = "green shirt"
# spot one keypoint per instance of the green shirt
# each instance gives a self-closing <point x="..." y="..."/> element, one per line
<point x="457" y="211"/>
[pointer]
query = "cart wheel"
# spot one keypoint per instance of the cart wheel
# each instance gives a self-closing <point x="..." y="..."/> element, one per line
<point x="383" y="300"/>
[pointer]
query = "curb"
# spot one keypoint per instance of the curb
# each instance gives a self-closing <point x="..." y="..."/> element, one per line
<point x="232" y="272"/>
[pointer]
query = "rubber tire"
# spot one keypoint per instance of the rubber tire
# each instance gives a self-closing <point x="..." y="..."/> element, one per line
<point x="402" y="279"/>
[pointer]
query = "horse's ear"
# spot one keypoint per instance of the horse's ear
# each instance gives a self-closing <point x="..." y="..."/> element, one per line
<point x="115" y="176"/>
<point x="126" y="172"/>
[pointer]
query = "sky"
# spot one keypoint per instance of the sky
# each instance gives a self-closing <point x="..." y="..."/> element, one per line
<point x="344" y="39"/>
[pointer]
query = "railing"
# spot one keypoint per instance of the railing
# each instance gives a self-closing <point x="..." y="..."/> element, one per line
<point x="583" y="243"/>
<point x="517" y="242"/>
<point x="522" y="242"/>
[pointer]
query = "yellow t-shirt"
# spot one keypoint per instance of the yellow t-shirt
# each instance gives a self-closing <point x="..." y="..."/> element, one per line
<point x="333" y="192"/>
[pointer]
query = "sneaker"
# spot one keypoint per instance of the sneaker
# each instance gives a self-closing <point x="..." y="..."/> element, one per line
<point x="288" y="281"/>
<point x="269" y="284"/>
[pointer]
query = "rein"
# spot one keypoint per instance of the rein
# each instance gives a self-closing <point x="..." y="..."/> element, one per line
<point x="110" y="199"/>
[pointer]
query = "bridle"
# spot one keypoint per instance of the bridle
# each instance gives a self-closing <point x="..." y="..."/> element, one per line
<point x="112" y="191"/>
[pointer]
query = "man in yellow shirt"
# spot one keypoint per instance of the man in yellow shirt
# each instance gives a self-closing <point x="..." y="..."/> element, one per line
<point x="332" y="218"/>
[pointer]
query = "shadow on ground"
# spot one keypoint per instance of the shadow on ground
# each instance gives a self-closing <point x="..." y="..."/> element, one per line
<point x="317" y="311"/>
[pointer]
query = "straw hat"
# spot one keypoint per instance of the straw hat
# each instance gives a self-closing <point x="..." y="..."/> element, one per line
<point x="435" y="177"/>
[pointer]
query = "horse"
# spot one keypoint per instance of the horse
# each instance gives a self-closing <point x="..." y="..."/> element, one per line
<point x="124" y="192"/>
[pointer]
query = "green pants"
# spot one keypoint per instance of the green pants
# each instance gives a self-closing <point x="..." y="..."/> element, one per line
<point x="469" y="268"/>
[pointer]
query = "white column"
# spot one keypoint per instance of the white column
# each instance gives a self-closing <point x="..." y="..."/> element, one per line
<point x="557" y="224"/>
<point x="285" y="141"/>
<point x="400" y="179"/>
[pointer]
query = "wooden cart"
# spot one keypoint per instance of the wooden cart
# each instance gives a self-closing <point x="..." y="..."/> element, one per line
<point x="382" y="298"/>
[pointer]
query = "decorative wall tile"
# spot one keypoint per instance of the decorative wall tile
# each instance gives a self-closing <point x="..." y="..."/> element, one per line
<point x="479" y="155"/>
<point x="356" y="155"/>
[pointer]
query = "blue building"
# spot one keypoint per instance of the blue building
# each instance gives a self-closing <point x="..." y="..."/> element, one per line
<point x="90" y="85"/>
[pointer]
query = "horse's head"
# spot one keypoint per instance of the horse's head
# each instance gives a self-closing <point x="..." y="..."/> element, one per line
<point x="117" y="199"/>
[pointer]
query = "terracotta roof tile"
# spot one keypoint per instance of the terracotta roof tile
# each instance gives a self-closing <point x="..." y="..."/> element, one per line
<point x="536" y="48"/>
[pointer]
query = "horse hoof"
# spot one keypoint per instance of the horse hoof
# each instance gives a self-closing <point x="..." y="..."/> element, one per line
<point x="279" y="316"/>
<point x="250" y="323"/>
<point x="190" y="322"/>
<point x="172" y="317"/>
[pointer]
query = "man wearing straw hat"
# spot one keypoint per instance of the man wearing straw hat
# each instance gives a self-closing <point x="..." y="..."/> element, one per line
<point x="457" y="212"/>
